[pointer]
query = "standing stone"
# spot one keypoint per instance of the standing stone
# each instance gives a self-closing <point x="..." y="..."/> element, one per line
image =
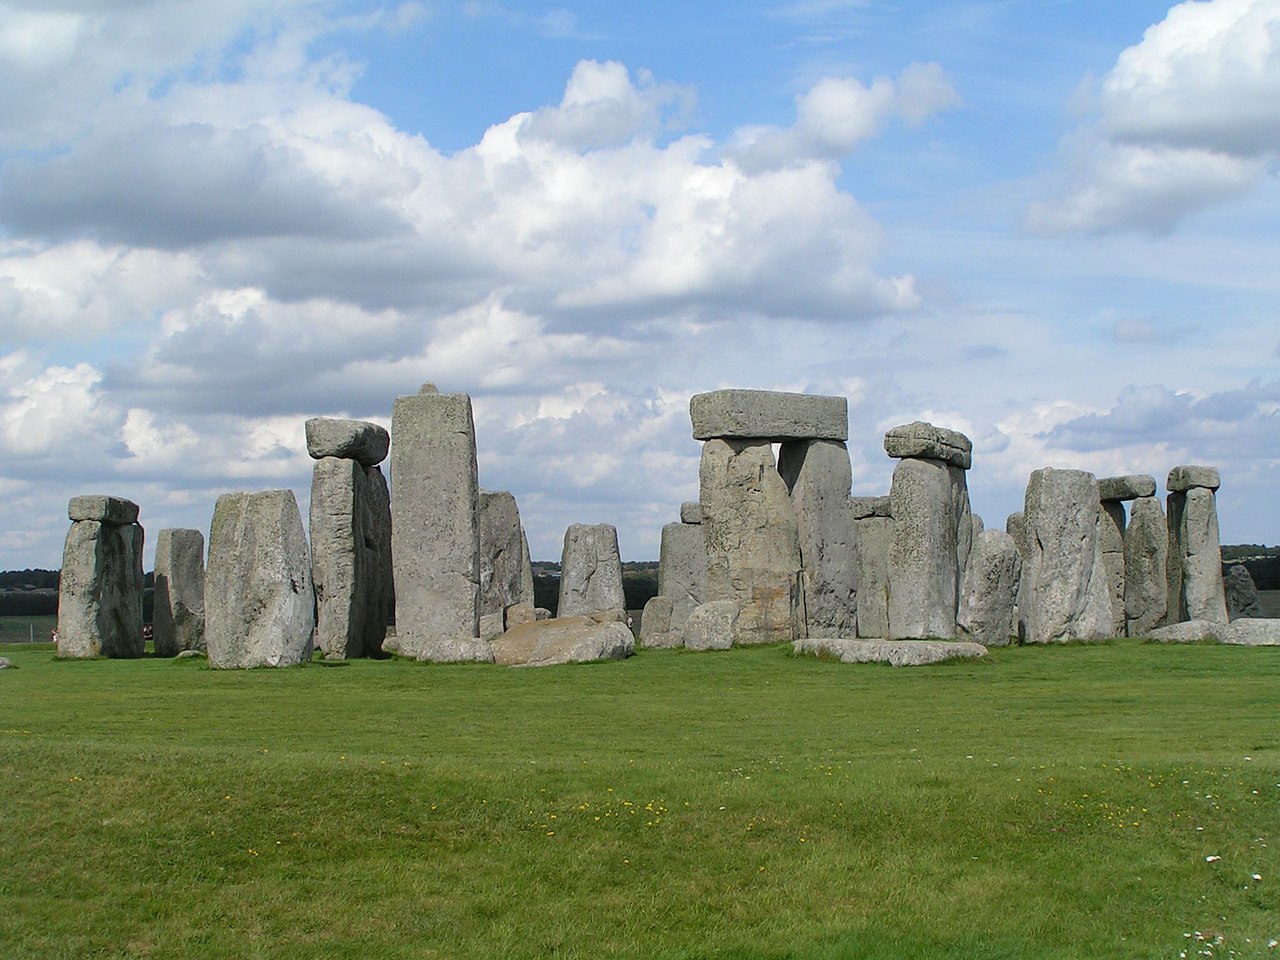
<point x="100" y="589"/>
<point x="655" y="624"/>
<point x="1016" y="526"/>
<point x="924" y="556"/>
<point x="178" y="621"/>
<point x="1067" y="595"/>
<point x="435" y="536"/>
<point x="1195" y="556"/>
<point x="1111" y="524"/>
<point x="988" y="603"/>
<point x="502" y="561"/>
<point x="1242" y="594"/>
<point x="819" y="476"/>
<point x="1146" y="558"/>
<point x="590" y="571"/>
<point x="752" y="538"/>
<point x="682" y="570"/>
<point x="351" y="557"/>
<point x="259" y="599"/>
<point x="874" y="535"/>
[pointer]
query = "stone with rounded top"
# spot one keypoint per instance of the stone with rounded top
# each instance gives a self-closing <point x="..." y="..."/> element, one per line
<point x="358" y="440"/>
<point x="691" y="512"/>
<point x="103" y="508"/>
<point x="768" y="414"/>
<point x="925" y="441"/>
<point x="1128" y="487"/>
<point x="560" y="640"/>
<point x="1184" y="478"/>
<point x="711" y="626"/>
<point x="590" y="570"/>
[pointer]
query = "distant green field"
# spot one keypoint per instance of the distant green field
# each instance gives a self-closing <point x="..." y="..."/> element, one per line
<point x="23" y="629"/>
<point x="1118" y="800"/>
<point x="1270" y="601"/>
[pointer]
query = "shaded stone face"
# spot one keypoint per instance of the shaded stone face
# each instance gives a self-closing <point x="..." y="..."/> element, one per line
<point x="1146" y="557"/>
<point x="502" y="555"/>
<point x="989" y="594"/>
<point x="367" y="443"/>
<point x="932" y="534"/>
<point x="590" y="571"/>
<point x="924" y="440"/>
<point x="682" y="570"/>
<point x="1195" y="558"/>
<point x="691" y="512"/>
<point x="1242" y="594"/>
<point x="655" y="624"/>
<point x="259" y="599"/>
<point x="104" y="509"/>
<point x="874" y="534"/>
<point x="178" y="620"/>
<point x="1128" y="487"/>
<point x="1182" y="479"/>
<point x="100" y="590"/>
<point x="1111" y="524"/>
<point x="863" y="507"/>
<point x="765" y="414"/>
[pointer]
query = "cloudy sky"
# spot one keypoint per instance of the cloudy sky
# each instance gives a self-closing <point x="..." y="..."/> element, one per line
<point x="1051" y="224"/>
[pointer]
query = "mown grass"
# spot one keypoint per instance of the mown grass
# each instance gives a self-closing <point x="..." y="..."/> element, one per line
<point x="1057" y="802"/>
<point x="22" y="629"/>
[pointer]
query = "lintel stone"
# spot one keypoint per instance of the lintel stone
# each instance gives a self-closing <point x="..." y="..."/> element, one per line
<point x="102" y="508"/>
<point x="864" y="507"/>
<point x="768" y="415"/>
<point x="925" y="441"/>
<point x="1129" y="487"/>
<point x="691" y="512"/>
<point x="359" y="440"/>
<point x="1182" y="479"/>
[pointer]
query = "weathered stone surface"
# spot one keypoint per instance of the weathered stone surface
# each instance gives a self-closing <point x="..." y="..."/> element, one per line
<point x="1067" y="595"/>
<point x="7" y="664"/>
<point x="100" y="591"/>
<point x="711" y="626"/>
<point x="920" y="439"/>
<point x="1242" y="594"/>
<point x="682" y="570"/>
<point x="435" y="536"/>
<point x="526" y="568"/>
<point x="766" y="414"/>
<point x="819" y="475"/>
<point x="1251" y="632"/>
<point x="752" y="538"/>
<point x="932" y="536"/>
<point x="1182" y="479"/>
<point x="359" y="440"/>
<point x="178" y="621"/>
<point x="873" y="537"/>
<point x="502" y="558"/>
<point x="104" y="509"/>
<point x="1146" y="558"/>
<point x="989" y="594"/>
<point x="863" y="508"/>
<point x="1189" y="631"/>
<point x="350" y="520"/>
<point x="1195" y="558"/>
<point x="578" y="639"/>
<point x="1129" y="487"/>
<point x="1016" y="526"/>
<point x="259" y="600"/>
<point x="590" y="571"/>
<point x="655" y="624"/>
<point x="519" y="613"/>
<point x="1111" y="525"/>
<point x="899" y="653"/>
<point x="690" y="512"/>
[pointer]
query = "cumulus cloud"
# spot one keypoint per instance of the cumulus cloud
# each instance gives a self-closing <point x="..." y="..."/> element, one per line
<point x="1186" y="119"/>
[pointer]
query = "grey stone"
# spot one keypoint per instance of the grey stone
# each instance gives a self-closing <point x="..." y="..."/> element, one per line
<point x="492" y="624"/>
<point x="932" y="535"/>
<point x="989" y="594"/>
<point x="1067" y="595"/>
<point x="178" y="621"/>
<point x="1111" y="526"/>
<point x="682" y="570"/>
<point x="1146" y="558"/>
<point x="100" y="591"/>
<point x="873" y="537"/>
<point x="542" y="613"/>
<point x="898" y="653"/>
<point x="104" y="509"/>
<point x="691" y="512"/>
<point x="359" y="440"/>
<point x="819" y="475"/>
<point x="1016" y="526"/>
<point x="259" y="599"/>
<point x="766" y="414"/>
<point x="435" y="535"/>
<point x="350" y="522"/>
<point x="711" y="626"/>
<point x="1242" y="594"/>
<point x="978" y="527"/>
<point x="7" y="664"/>
<point x="502" y="558"/>
<point x="590" y="571"/>
<point x="578" y="639"/>
<point x="1188" y="631"/>
<point x="1129" y="487"/>
<point x="1195" y="558"/>
<point x="920" y="439"/>
<point x="519" y="613"/>
<point x="1252" y="632"/>
<point x="190" y="655"/>
<point x="752" y="538"/>
<point x="457" y="650"/>
<point x="655" y="624"/>
<point x="863" y="508"/>
<point x="1184" y="478"/>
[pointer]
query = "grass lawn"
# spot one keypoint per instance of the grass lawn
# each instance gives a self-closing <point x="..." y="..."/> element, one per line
<point x="1100" y="801"/>
<point x="22" y="629"/>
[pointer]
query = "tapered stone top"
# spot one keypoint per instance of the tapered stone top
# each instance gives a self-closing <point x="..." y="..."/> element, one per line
<point x="1129" y="487"/>
<point x="925" y="441"/>
<point x="768" y="415"/>
<point x="691" y="512"/>
<point x="1182" y="479"/>
<point x="102" y="508"/>
<point x="359" y="440"/>
<point x="866" y="507"/>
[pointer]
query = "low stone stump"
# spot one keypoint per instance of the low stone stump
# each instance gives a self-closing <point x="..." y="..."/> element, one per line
<point x="711" y="626"/>
<point x="656" y="628"/>
<point x="545" y="643"/>
<point x="1250" y="632"/>
<point x="898" y="653"/>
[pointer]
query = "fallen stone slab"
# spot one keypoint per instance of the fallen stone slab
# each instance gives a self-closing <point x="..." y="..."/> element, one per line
<point x="924" y="440"/>
<point x="1184" y="478"/>
<point x="691" y="512"/>
<point x="767" y="414"/>
<point x="1189" y="631"/>
<point x="367" y="443"/>
<point x="545" y="643"/>
<point x="1252" y="632"/>
<point x="7" y="664"/>
<point x="864" y="508"/>
<point x="898" y="653"/>
<point x="104" y="509"/>
<point x="1129" y="487"/>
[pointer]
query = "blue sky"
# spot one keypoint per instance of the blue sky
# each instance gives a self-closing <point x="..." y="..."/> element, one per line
<point x="1052" y="225"/>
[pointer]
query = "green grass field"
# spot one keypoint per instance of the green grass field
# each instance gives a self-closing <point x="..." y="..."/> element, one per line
<point x="23" y="629"/>
<point x="1118" y="800"/>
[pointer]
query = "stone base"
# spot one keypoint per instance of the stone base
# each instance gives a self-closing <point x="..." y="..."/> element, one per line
<point x="898" y="653"/>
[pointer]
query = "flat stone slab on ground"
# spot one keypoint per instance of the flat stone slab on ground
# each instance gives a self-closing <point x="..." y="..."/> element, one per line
<point x="898" y="653"/>
<point x="768" y="414"/>
<point x="1253" y="632"/>
<point x="1129" y="487"/>
<point x="1181" y="479"/>
<point x="920" y="439"/>
<point x="545" y="643"/>
<point x="103" y="508"/>
<point x="359" y="440"/>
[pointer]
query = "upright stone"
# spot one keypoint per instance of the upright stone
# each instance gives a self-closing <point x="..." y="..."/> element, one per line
<point x="819" y="476"/>
<point x="435" y="536"/>
<point x="1146" y="558"/>
<point x="501" y="560"/>
<point x="874" y="535"/>
<point x="100" y="588"/>
<point x="988" y="602"/>
<point x="1243" y="602"/>
<point x="682" y="570"/>
<point x="590" y="571"/>
<point x="923" y="575"/>
<point x="1195" y="555"/>
<point x="1111" y="524"/>
<point x="752" y="538"/>
<point x="178" y="621"/>
<point x="351" y="557"/>
<point x="259" y="599"/>
<point x="1067" y="595"/>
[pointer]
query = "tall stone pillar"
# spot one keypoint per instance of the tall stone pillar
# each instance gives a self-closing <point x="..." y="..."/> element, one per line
<point x="1113" y="493"/>
<point x="989" y="592"/>
<point x="1146" y="562"/>
<point x="590" y="571"/>
<point x="503" y="561"/>
<point x="682" y="567"/>
<point x="1195" y="554"/>
<point x="873" y="534"/>
<point x="100" y="590"/>
<point x="178" y="620"/>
